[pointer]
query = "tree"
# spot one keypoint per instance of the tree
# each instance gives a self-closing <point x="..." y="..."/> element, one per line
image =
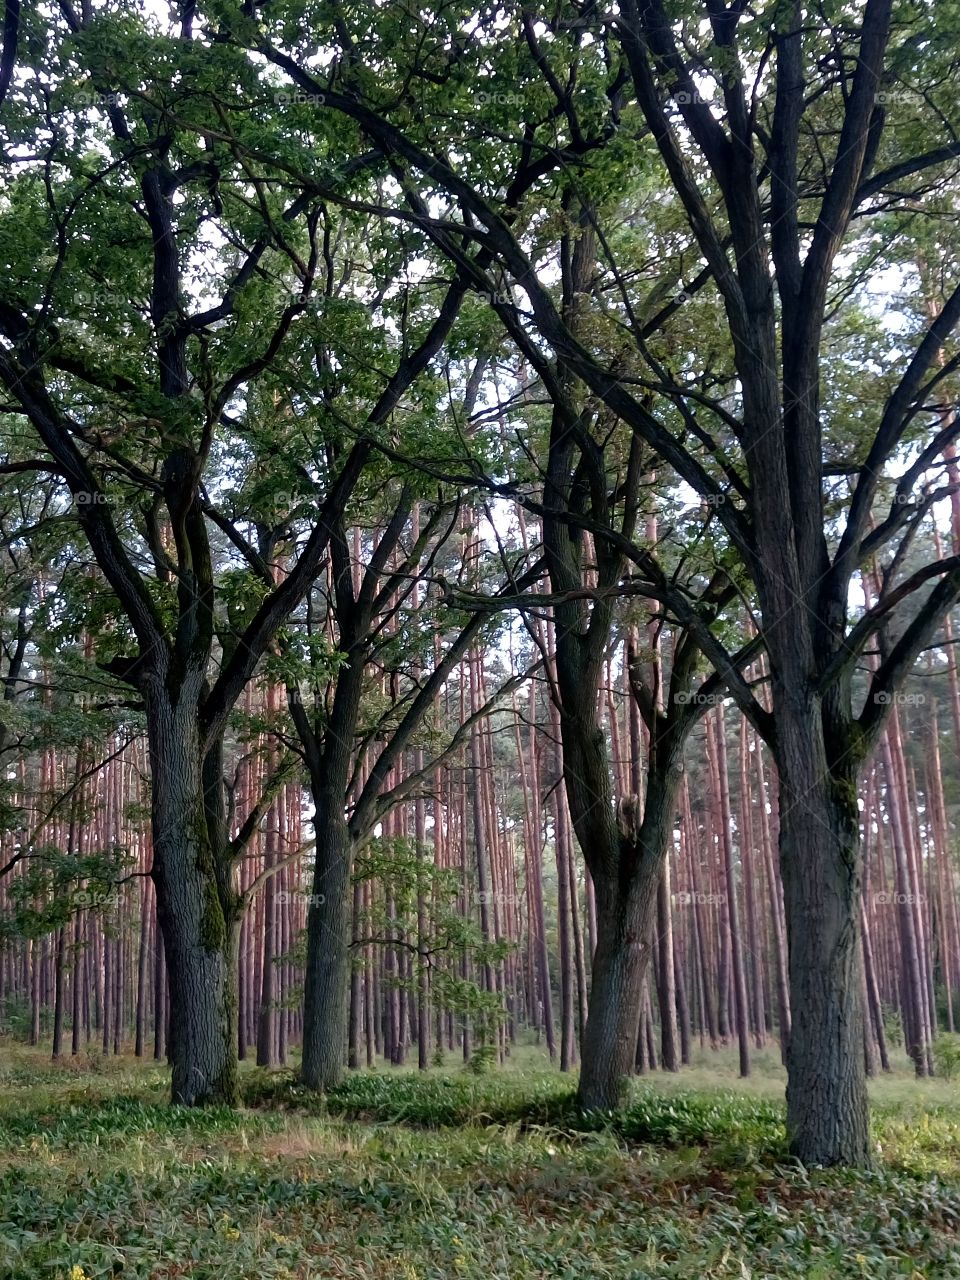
<point x="593" y="481"/>
<point x="131" y="424"/>
<point x="737" y="121"/>
<point x="351" y="766"/>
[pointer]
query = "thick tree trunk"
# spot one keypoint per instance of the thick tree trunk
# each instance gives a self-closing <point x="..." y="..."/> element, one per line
<point x="827" y="1107"/>
<point x="198" y="926"/>
<point x="626" y="910"/>
<point x="327" y="972"/>
<point x="609" y="1046"/>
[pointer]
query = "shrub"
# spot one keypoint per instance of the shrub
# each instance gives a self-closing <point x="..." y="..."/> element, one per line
<point x="946" y="1056"/>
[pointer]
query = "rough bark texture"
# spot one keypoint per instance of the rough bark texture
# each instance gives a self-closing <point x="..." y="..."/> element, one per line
<point x="626" y="911"/>
<point x="609" y="1043"/>
<point x="827" y="1106"/>
<point x="328" y="952"/>
<point x="196" y="922"/>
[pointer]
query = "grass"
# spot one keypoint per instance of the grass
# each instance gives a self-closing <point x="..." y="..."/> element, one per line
<point x="453" y="1175"/>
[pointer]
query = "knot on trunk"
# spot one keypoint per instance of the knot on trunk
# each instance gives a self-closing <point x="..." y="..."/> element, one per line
<point x="629" y="818"/>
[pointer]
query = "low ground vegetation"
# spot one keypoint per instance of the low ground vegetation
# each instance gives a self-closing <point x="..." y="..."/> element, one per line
<point x="496" y="1177"/>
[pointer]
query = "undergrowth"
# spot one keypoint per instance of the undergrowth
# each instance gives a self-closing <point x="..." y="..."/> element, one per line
<point x="455" y="1176"/>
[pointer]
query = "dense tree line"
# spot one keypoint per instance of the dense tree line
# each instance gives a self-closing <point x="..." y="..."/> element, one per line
<point x="83" y="960"/>
<point x="516" y="451"/>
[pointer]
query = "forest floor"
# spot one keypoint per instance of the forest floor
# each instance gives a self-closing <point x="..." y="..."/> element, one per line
<point x="451" y="1175"/>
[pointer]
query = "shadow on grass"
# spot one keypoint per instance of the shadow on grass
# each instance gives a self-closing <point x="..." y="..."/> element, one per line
<point x="742" y="1125"/>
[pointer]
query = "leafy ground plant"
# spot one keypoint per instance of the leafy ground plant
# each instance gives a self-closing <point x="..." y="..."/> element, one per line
<point x="427" y="1178"/>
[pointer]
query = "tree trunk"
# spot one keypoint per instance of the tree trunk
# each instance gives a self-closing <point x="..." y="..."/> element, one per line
<point x="357" y="986"/>
<point x="873" y="996"/>
<point x="666" y="976"/>
<point x="267" y="1020"/>
<point x="827" y="1107"/>
<point x="198" y="925"/>
<point x="775" y="890"/>
<point x="328" y="949"/>
<point x="58" y="999"/>
<point x="626" y="909"/>
<point x="730" y="882"/>
<point x="624" y="925"/>
<point x="423" y="973"/>
<point x="141" y="1014"/>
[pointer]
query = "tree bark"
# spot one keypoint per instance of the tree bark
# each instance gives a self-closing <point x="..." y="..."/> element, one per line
<point x="328" y="947"/>
<point x="196" y="911"/>
<point x="626" y="909"/>
<point x="827" y="1107"/>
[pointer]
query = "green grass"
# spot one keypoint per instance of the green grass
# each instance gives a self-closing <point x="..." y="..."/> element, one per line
<point x="453" y="1175"/>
